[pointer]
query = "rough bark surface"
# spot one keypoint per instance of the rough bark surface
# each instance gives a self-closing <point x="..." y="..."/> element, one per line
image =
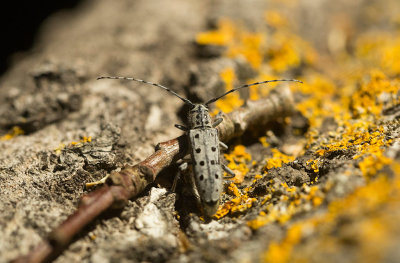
<point x="53" y="96"/>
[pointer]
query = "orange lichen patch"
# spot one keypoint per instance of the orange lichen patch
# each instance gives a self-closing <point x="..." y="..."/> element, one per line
<point x="239" y="42"/>
<point x="283" y="49"/>
<point x="314" y="165"/>
<point x="282" y="55"/>
<point x="242" y="204"/>
<point x="263" y="219"/>
<point x="263" y="141"/>
<point x="321" y="101"/>
<point x="380" y="50"/>
<point x="289" y="189"/>
<point x="371" y="164"/>
<point x="221" y="37"/>
<point x="367" y="214"/>
<point x="314" y="194"/>
<point x="15" y="131"/>
<point x="276" y="19"/>
<point x="237" y="161"/>
<point x="82" y="141"/>
<point x="353" y="100"/>
<point x="361" y="135"/>
<point x="277" y="159"/>
<point x="258" y="176"/>
<point x="286" y="51"/>
<point x="59" y="149"/>
<point x="346" y="107"/>
<point x="235" y="206"/>
<point x="239" y="204"/>
<point x="366" y="100"/>
<point x="263" y="90"/>
<point x="230" y="101"/>
<point x="280" y="252"/>
<point x="368" y="140"/>
<point x="223" y="210"/>
<point x="253" y="93"/>
<point x="249" y="47"/>
<point x="239" y="177"/>
<point x="293" y="201"/>
<point x="233" y="190"/>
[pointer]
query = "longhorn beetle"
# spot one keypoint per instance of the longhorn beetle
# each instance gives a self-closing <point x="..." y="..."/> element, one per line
<point x="204" y="146"/>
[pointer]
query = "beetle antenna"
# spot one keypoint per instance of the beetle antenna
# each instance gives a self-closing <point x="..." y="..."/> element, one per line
<point x="154" y="84"/>
<point x="248" y="85"/>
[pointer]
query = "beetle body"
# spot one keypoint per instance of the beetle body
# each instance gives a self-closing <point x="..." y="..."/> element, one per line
<point x="204" y="146"/>
<point x="205" y="157"/>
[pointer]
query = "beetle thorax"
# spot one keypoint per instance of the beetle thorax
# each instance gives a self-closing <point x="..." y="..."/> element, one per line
<point x="199" y="117"/>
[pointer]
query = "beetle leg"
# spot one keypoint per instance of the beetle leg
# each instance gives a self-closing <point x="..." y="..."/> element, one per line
<point x="223" y="145"/>
<point x="229" y="171"/>
<point x="185" y="159"/>
<point x="181" y="127"/>
<point x="217" y="122"/>
<point x="101" y="181"/>
<point x="195" y="192"/>
<point x="181" y="167"/>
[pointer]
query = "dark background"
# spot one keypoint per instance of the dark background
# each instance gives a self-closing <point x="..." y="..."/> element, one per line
<point x="20" y="22"/>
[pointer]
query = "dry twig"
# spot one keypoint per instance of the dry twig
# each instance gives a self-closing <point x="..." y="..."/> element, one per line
<point x="132" y="180"/>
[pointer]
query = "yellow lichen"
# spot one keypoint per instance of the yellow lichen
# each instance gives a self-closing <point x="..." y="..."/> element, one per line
<point x="287" y="51"/>
<point x="221" y="37"/>
<point x="239" y="204"/>
<point x="230" y="101"/>
<point x="371" y="164"/>
<point x="380" y="50"/>
<point x="15" y="131"/>
<point x="263" y="141"/>
<point x="293" y="198"/>
<point x="277" y="159"/>
<point x="366" y="208"/>
<point x="233" y="190"/>
<point x="59" y="149"/>
<point x="249" y="47"/>
<point x="314" y="165"/>
<point x="351" y="99"/>
<point x="280" y="252"/>
<point x="238" y="42"/>
<point x="367" y="139"/>
<point x="365" y="101"/>
<point x="237" y="161"/>
<point x="276" y="19"/>
<point x="85" y="139"/>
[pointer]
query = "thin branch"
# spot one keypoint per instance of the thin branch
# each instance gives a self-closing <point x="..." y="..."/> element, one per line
<point x="132" y="180"/>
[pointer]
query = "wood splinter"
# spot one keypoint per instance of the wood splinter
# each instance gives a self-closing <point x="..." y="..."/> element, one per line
<point x="132" y="180"/>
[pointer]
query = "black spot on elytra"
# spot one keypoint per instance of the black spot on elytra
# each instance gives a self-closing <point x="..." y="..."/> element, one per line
<point x="198" y="150"/>
<point x="197" y="136"/>
<point x="216" y="176"/>
<point x="201" y="163"/>
<point x="212" y="162"/>
<point x="201" y="177"/>
<point x="213" y="149"/>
